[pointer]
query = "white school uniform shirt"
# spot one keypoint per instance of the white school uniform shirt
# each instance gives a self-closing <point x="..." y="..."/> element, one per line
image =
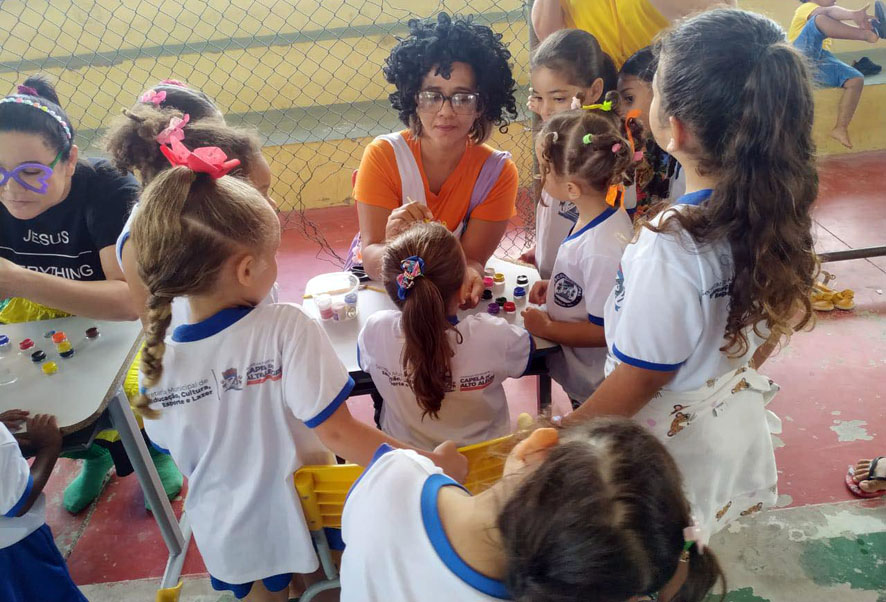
<point x="181" y="310"/>
<point x="475" y="409"/>
<point x="395" y="547"/>
<point x="554" y="219"/>
<point x="669" y="307"/>
<point x="239" y="395"/>
<point x="583" y="276"/>
<point x="16" y="483"/>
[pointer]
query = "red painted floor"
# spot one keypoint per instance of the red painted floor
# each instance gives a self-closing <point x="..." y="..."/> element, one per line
<point x="832" y="379"/>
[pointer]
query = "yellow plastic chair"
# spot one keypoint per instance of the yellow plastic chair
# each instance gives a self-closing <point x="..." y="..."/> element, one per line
<point x="169" y="594"/>
<point x="323" y="489"/>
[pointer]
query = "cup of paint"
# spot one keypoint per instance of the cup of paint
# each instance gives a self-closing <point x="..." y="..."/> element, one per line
<point x="519" y="296"/>
<point x="487" y="295"/>
<point x="510" y="310"/>
<point x="501" y="301"/>
<point x="489" y="272"/>
<point x="498" y="286"/>
<point x="493" y="309"/>
<point x="488" y="282"/>
<point x="333" y="296"/>
<point x="523" y="280"/>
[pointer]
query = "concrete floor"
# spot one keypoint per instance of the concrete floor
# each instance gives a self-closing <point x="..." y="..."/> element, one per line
<point x="822" y="545"/>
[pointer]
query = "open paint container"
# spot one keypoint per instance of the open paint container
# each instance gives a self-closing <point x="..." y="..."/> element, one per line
<point x="334" y="295"/>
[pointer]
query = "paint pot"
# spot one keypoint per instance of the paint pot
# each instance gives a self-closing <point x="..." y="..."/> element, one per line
<point x="501" y="301"/>
<point x="489" y="272"/>
<point x="523" y="280"/>
<point x="510" y="311"/>
<point x="324" y="306"/>
<point x="487" y="295"/>
<point x="493" y="309"/>
<point x="339" y="311"/>
<point x="498" y="286"/>
<point x="351" y="305"/>
<point x="488" y="282"/>
<point x="92" y="332"/>
<point x="520" y="296"/>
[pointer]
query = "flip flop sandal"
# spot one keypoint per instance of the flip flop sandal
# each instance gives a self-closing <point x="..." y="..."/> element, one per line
<point x="822" y="301"/>
<point x="853" y="486"/>
<point x="844" y="300"/>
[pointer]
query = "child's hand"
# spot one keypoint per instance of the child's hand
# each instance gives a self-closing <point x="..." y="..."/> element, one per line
<point x="42" y="433"/>
<point x="529" y="256"/>
<point x="539" y="292"/>
<point x="536" y="321"/>
<point x="471" y="288"/>
<point x="454" y="464"/>
<point x="13" y="419"/>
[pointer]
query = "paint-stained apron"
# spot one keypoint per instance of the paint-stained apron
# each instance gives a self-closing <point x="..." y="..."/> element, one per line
<point x="721" y="438"/>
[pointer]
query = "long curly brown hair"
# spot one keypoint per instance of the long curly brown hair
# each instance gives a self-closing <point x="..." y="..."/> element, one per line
<point x="748" y="101"/>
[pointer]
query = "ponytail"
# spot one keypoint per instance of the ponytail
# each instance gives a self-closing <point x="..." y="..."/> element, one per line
<point x="703" y="574"/>
<point x="749" y="103"/>
<point x="427" y="354"/>
<point x="186" y="227"/>
<point x="158" y="319"/>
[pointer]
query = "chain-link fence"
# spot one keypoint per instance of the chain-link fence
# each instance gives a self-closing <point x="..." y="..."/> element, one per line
<point x="305" y="73"/>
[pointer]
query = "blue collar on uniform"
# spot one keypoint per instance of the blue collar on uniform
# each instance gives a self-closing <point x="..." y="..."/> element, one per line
<point x="441" y="544"/>
<point x="187" y="333"/>
<point x="695" y="198"/>
<point x="594" y="222"/>
<point x="452" y="320"/>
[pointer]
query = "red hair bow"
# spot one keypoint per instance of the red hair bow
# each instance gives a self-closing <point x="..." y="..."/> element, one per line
<point x="206" y="159"/>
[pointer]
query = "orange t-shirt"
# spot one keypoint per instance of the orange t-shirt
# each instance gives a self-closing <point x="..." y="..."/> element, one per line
<point x="378" y="184"/>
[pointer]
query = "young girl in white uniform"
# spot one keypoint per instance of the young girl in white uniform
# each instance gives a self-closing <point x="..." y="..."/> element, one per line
<point x="440" y="378"/>
<point x="730" y="261"/>
<point x="249" y="392"/>
<point x="567" y="64"/>
<point x="590" y="513"/>
<point x="583" y="155"/>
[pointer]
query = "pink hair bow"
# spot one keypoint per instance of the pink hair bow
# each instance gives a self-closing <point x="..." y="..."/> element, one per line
<point x="28" y="90"/>
<point x="174" y="82"/>
<point x="175" y="130"/>
<point x="206" y="159"/>
<point x="153" y="97"/>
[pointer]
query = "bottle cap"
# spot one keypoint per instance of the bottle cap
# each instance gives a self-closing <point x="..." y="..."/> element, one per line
<point x="501" y="300"/>
<point x="26" y="344"/>
<point x="64" y="347"/>
<point x="522" y="280"/>
<point x="493" y="308"/>
<point x="519" y="291"/>
<point x="91" y="332"/>
<point x="50" y="368"/>
<point x="488" y="282"/>
<point x="323" y="301"/>
<point x="38" y="356"/>
<point x="351" y="298"/>
<point x="487" y="295"/>
<point x="58" y="337"/>
<point x="510" y="307"/>
<point x="4" y="340"/>
<point x="48" y="334"/>
<point x="499" y="277"/>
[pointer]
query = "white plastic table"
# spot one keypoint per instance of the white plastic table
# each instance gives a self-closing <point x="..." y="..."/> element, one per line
<point x="343" y="335"/>
<point x="86" y="385"/>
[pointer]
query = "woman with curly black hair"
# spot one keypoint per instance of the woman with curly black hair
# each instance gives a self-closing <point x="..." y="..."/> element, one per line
<point x="454" y="84"/>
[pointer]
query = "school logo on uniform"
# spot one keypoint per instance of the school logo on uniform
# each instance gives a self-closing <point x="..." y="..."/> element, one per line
<point x="568" y="211"/>
<point x="619" y="288"/>
<point x="475" y="382"/>
<point x="231" y="381"/>
<point x="719" y="290"/>
<point x="262" y="372"/>
<point x="567" y="293"/>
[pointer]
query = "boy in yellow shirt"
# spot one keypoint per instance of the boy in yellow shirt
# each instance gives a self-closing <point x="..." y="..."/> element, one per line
<point x="814" y="22"/>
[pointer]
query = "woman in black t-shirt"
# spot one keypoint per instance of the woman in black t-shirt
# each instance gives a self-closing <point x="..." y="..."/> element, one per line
<point x="59" y="216"/>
